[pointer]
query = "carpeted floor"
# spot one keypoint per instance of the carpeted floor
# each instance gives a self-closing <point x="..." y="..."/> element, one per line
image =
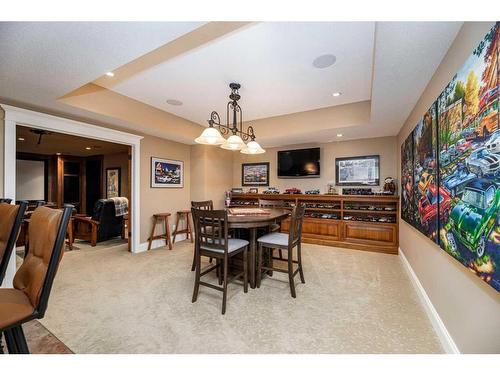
<point x="106" y="300"/>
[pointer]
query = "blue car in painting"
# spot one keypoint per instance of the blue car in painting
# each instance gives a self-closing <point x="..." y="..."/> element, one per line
<point x="455" y="182"/>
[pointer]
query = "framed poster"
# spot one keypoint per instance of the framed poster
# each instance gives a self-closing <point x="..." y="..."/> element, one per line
<point x="113" y="182"/>
<point x="469" y="162"/>
<point x="456" y="168"/>
<point x="166" y="173"/>
<point x="426" y="191"/>
<point x="255" y="174"/>
<point x="357" y="171"/>
<point x="407" y="202"/>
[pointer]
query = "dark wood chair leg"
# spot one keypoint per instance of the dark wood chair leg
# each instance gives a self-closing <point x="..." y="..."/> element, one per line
<point x="224" y="295"/>
<point x="259" y="264"/>
<point x="193" y="266"/>
<point x="152" y="234"/>
<point x="245" y="270"/>
<point x="22" y="345"/>
<point x="219" y="271"/>
<point x="290" y="273"/>
<point x="299" y="259"/>
<point x="11" y="342"/>
<point x="197" y="278"/>
<point x="280" y="253"/>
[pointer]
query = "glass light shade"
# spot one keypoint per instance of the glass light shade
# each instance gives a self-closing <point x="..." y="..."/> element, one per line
<point x="253" y="148"/>
<point x="234" y="143"/>
<point x="210" y="136"/>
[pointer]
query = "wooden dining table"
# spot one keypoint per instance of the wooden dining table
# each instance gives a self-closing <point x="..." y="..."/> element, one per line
<point x="252" y="222"/>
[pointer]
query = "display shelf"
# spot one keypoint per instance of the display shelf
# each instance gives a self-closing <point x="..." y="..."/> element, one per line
<point x="325" y="220"/>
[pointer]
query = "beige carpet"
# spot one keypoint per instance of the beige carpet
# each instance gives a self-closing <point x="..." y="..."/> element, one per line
<point x="106" y="300"/>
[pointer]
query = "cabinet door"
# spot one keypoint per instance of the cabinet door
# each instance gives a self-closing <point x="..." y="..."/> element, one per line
<point x="366" y="233"/>
<point x="317" y="228"/>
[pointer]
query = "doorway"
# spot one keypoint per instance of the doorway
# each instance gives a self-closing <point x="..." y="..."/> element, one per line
<point x="17" y="116"/>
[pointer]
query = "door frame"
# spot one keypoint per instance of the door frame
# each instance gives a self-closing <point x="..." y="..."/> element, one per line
<point x="18" y="116"/>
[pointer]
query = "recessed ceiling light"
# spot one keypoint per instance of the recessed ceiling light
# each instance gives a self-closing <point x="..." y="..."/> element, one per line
<point x="20" y="139"/>
<point x="340" y="135"/>
<point x="58" y="153"/>
<point x="324" y="61"/>
<point x="337" y="94"/>
<point x="110" y="74"/>
<point x="174" y="102"/>
<point x="88" y="148"/>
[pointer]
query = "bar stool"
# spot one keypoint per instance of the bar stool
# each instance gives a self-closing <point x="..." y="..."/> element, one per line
<point x="157" y="219"/>
<point x="184" y="214"/>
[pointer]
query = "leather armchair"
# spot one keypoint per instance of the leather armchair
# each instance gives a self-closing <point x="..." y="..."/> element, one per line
<point x="101" y="226"/>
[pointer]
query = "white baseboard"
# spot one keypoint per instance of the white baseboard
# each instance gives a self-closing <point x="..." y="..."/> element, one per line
<point x="159" y="243"/>
<point x="444" y="336"/>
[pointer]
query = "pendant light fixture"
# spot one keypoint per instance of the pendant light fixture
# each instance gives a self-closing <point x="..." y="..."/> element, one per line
<point x="213" y="135"/>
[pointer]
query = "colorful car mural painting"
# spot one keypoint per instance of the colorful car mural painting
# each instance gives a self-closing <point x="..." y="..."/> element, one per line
<point x="425" y="174"/>
<point x="461" y="194"/>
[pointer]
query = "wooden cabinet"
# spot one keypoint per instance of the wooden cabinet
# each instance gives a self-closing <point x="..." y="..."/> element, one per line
<point x="357" y="222"/>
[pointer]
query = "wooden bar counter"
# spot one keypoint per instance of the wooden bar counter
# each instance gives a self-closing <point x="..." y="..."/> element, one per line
<point x="362" y="222"/>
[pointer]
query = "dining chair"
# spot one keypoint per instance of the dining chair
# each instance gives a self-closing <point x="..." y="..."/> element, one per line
<point x="11" y="217"/>
<point x="201" y="205"/>
<point x="212" y="241"/>
<point x="276" y="227"/>
<point x="33" y="281"/>
<point x="285" y="241"/>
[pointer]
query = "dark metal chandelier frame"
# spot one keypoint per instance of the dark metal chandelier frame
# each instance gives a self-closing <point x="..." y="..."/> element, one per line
<point x="237" y="119"/>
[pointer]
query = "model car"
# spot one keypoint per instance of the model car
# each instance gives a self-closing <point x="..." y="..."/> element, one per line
<point x="473" y="218"/>
<point x="293" y="191"/>
<point x="481" y="162"/>
<point x="271" y="190"/>
<point x="462" y="145"/>
<point x="493" y="144"/>
<point x="456" y="181"/>
<point x="428" y="205"/>
<point x="425" y="180"/>
<point x="313" y="191"/>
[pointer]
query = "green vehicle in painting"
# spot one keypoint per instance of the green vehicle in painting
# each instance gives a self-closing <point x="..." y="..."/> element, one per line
<point x="474" y="216"/>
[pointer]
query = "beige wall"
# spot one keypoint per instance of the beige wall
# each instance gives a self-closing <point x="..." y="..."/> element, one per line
<point x="384" y="146"/>
<point x="469" y="308"/>
<point x="119" y="160"/>
<point x="156" y="200"/>
<point x="211" y="173"/>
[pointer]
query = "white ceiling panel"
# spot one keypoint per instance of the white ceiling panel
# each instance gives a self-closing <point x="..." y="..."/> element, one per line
<point x="273" y="63"/>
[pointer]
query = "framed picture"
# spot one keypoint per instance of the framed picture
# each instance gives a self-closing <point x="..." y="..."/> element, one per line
<point x="113" y="182"/>
<point x="255" y="174"/>
<point x="357" y="171"/>
<point x="167" y="173"/>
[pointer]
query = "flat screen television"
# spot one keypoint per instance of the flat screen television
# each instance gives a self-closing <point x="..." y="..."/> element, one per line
<point x="301" y="163"/>
<point x="357" y="171"/>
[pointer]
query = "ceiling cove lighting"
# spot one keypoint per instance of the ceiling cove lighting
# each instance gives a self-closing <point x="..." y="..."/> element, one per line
<point x="213" y="135"/>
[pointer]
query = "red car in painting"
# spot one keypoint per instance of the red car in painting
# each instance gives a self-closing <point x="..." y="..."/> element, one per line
<point x="428" y="205"/>
<point x="463" y="145"/>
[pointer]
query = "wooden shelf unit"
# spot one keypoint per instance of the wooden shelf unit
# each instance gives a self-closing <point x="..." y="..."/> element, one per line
<point x="341" y="220"/>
